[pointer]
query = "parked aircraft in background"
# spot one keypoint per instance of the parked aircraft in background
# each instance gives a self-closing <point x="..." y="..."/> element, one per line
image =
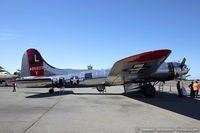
<point x="138" y="72"/>
<point x="6" y="76"/>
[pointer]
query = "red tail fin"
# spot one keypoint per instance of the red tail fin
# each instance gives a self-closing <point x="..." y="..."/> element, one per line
<point x="36" y="63"/>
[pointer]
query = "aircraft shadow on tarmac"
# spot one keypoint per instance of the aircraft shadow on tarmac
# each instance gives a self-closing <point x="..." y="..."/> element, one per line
<point x="43" y="95"/>
<point x="98" y="93"/>
<point x="185" y="106"/>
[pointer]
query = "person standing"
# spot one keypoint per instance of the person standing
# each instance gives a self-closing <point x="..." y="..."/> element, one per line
<point x="14" y="89"/>
<point x="61" y="82"/>
<point x="191" y="89"/>
<point x="179" y="89"/>
<point x="196" y="89"/>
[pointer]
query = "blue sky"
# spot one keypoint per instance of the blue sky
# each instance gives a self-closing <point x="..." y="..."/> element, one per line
<point x="76" y="33"/>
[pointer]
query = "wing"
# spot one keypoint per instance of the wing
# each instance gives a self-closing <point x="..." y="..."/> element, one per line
<point x="137" y="67"/>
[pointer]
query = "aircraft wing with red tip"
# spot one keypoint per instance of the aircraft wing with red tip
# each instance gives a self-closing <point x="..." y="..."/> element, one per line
<point x="137" y="67"/>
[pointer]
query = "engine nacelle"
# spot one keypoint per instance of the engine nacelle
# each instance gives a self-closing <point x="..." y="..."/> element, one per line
<point x="170" y="71"/>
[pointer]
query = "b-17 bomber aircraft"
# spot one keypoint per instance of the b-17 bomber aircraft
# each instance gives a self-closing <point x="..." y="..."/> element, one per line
<point x="136" y="73"/>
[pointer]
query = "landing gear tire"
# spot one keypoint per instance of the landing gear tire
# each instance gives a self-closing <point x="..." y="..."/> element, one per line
<point x="149" y="91"/>
<point x="101" y="88"/>
<point x="51" y="91"/>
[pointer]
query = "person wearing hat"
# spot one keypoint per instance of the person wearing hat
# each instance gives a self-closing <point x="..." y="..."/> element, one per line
<point x="196" y="89"/>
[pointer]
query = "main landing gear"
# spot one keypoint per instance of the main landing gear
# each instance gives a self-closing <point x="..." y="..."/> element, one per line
<point x="148" y="90"/>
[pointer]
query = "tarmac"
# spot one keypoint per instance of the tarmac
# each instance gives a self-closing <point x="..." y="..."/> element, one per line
<point x="85" y="110"/>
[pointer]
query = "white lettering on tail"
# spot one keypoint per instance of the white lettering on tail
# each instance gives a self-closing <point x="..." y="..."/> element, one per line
<point x="36" y="58"/>
<point x="36" y="68"/>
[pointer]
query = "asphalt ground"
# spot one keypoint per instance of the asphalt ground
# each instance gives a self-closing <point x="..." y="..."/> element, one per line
<point x="85" y="110"/>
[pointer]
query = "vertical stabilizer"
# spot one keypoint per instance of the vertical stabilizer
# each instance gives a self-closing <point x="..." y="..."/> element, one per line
<point x="25" y="66"/>
<point x="32" y="64"/>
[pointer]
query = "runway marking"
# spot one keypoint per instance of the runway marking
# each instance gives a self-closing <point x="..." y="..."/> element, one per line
<point x="42" y="115"/>
<point x="168" y="114"/>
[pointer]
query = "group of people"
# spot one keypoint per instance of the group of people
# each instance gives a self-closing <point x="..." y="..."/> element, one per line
<point x="194" y="89"/>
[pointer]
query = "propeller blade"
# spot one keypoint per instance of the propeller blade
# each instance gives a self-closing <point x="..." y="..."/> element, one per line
<point x="187" y="75"/>
<point x="183" y="62"/>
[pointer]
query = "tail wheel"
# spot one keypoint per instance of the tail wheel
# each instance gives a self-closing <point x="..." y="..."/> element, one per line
<point x="101" y="88"/>
<point x="149" y="91"/>
<point x="51" y="91"/>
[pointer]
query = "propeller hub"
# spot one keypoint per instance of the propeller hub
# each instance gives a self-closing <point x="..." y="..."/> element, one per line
<point x="180" y="71"/>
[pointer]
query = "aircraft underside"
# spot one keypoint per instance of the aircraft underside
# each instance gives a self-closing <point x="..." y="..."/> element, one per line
<point x="99" y="83"/>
